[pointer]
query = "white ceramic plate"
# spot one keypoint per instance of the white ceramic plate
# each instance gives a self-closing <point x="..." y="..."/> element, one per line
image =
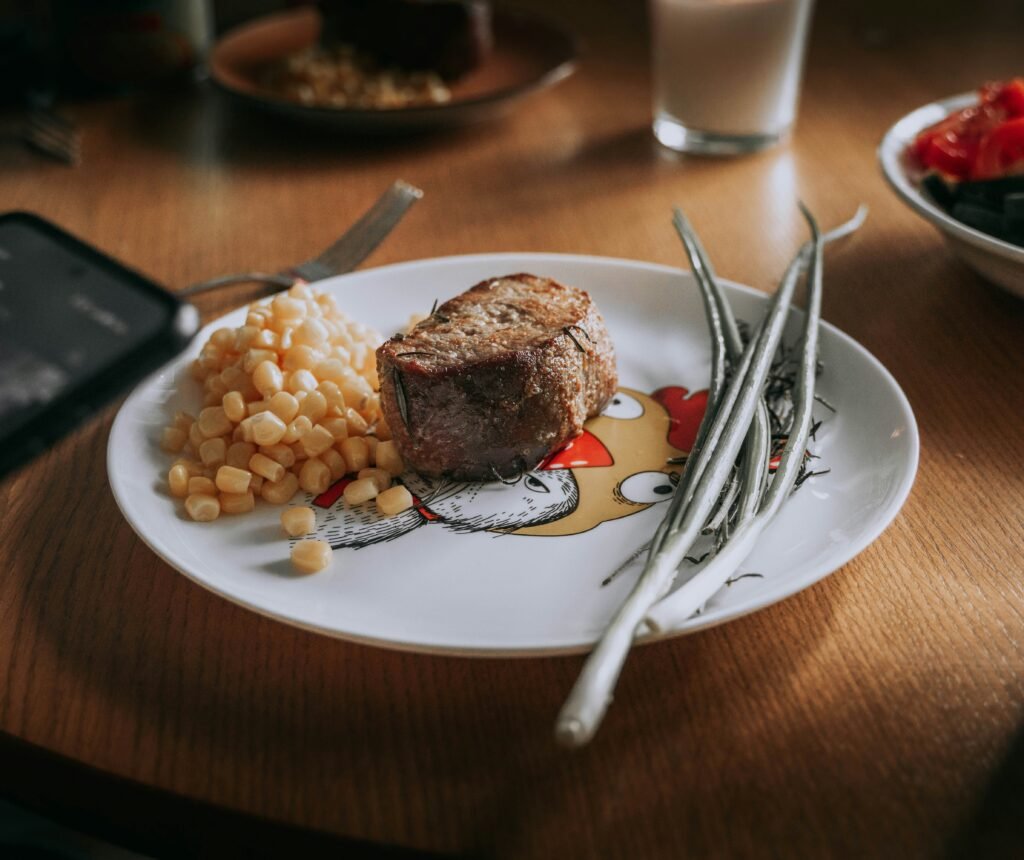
<point x="995" y="260"/>
<point x="446" y="586"/>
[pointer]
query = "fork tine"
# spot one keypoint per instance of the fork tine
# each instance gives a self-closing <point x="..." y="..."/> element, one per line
<point x="51" y="117"/>
<point x="56" y="147"/>
<point x="53" y="135"/>
<point x="369" y="230"/>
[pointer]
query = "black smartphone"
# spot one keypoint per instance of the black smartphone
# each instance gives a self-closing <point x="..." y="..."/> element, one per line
<point x="77" y="328"/>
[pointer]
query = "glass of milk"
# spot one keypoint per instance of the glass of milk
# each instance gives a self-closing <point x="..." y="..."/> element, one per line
<point x="726" y="72"/>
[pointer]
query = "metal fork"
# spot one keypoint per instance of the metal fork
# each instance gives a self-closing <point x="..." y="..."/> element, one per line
<point x="354" y="246"/>
<point x="51" y="134"/>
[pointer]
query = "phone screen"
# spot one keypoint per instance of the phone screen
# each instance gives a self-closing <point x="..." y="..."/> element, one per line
<point x="75" y="326"/>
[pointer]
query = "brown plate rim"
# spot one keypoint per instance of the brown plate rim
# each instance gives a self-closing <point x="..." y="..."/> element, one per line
<point x="502" y="18"/>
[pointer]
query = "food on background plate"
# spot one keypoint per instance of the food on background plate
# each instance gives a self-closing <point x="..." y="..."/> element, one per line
<point x="448" y="37"/>
<point x="385" y="54"/>
<point x="496" y="379"/>
<point x="975" y="162"/>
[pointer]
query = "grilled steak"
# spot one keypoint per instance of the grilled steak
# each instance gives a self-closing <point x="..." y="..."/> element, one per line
<point x="496" y="378"/>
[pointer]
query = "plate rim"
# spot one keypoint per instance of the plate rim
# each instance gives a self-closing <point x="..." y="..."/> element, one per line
<point x="506" y="95"/>
<point x="890" y="154"/>
<point x="850" y="550"/>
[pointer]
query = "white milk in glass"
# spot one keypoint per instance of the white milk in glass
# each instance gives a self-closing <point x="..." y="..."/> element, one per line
<point x="726" y="72"/>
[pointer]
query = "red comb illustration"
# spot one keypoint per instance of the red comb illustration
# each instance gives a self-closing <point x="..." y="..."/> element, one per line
<point x="684" y="412"/>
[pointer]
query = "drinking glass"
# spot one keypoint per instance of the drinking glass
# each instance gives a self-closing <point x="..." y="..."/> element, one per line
<point x="726" y="72"/>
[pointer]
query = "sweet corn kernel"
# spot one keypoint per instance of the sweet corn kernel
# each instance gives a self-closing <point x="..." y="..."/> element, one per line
<point x="183" y="420"/>
<point x="288" y="310"/>
<point x="315" y="476"/>
<point x="239" y="454"/>
<point x="356" y="453"/>
<point x="310" y="555"/>
<point x="389" y="458"/>
<point x="310" y="332"/>
<point x="279" y="452"/>
<point x="317" y="440"/>
<point x="234" y="406"/>
<point x="214" y="422"/>
<point x="359" y="491"/>
<point x="232" y="480"/>
<point x="215" y="386"/>
<point x="280" y="492"/>
<point x="237" y="503"/>
<point x="267" y="378"/>
<point x="173" y="439"/>
<point x="381" y="477"/>
<point x="213" y="451"/>
<point x="356" y="391"/>
<point x="381" y="430"/>
<point x="335" y="462"/>
<point x="332" y="394"/>
<point x="256" y="484"/>
<point x="193" y="467"/>
<point x="314" y="406"/>
<point x="284" y="406"/>
<point x="267" y="428"/>
<point x="332" y="370"/>
<point x="195" y="436"/>
<point x="201" y="485"/>
<point x="223" y="339"/>
<point x="255" y="357"/>
<point x="394" y="501"/>
<point x="298" y="521"/>
<point x="202" y="507"/>
<point x="371" y="444"/>
<point x="357" y="425"/>
<point x="337" y="427"/>
<point x="296" y="430"/>
<point x="257" y="406"/>
<point x="301" y="380"/>
<point x="266" y="339"/>
<point x="261" y="464"/>
<point x="177" y="479"/>
<point x="301" y="357"/>
<point x="232" y="376"/>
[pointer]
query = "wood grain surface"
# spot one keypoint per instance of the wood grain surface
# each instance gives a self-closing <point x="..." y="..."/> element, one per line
<point x="876" y="714"/>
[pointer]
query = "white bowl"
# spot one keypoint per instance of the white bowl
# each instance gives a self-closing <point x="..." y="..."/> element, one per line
<point x="995" y="260"/>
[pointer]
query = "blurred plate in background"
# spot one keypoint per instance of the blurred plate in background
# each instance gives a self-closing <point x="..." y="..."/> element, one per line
<point x="528" y="55"/>
<point x="995" y="260"/>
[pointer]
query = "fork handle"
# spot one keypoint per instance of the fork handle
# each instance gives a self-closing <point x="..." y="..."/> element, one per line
<point x="237" y="278"/>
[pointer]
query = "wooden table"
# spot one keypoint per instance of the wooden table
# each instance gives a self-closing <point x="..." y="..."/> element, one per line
<point x="875" y="714"/>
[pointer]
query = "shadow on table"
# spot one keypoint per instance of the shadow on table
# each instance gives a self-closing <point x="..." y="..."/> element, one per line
<point x="205" y="129"/>
<point x="996" y="827"/>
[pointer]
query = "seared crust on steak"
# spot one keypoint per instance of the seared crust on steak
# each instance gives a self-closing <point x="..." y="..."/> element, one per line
<point x="496" y="379"/>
